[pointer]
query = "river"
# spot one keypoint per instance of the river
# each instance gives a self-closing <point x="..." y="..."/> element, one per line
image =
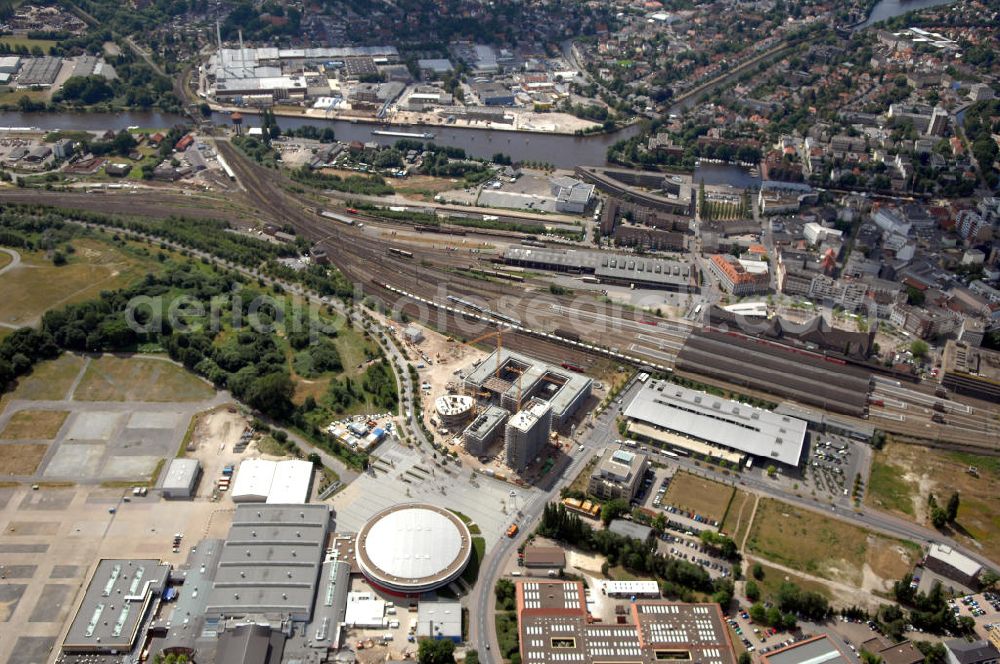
<point x="885" y="9"/>
<point x="561" y="150"/>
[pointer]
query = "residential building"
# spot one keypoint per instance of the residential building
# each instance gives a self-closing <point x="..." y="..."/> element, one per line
<point x="740" y="277"/>
<point x="961" y="651"/>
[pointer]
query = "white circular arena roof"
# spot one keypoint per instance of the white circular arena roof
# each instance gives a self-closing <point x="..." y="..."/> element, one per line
<point x="414" y="548"/>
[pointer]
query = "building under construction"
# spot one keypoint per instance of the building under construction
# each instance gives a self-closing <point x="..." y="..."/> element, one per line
<point x="511" y="380"/>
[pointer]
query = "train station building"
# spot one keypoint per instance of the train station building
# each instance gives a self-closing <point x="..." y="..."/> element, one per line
<point x="699" y="422"/>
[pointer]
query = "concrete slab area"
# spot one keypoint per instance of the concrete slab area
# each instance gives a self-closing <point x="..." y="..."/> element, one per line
<point x="10" y="596"/>
<point x="129" y="466"/>
<point x="50" y="499"/>
<point x="67" y="571"/>
<point x="31" y="650"/>
<point x="80" y="461"/>
<point x="17" y="571"/>
<point x="53" y="603"/>
<point x="93" y="425"/>
<point x="154" y="420"/>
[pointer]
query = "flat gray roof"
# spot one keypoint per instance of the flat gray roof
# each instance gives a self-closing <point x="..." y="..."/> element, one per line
<point x="487" y="421"/>
<point x="115" y="605"/>
<point x="730" y="424"/>
<point x="181" y="474"/>
<point x="818" y="650"/>
<point x="270" y="561"/>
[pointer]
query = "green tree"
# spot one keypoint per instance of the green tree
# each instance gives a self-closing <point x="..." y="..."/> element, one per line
<point x="952" y="508"/>
<point x="613" y="509"/>
<point x="752" y="591"/>
<point x="757" y="571"/>
<point x="919" y="348"/>
<point x="436" y="651"/>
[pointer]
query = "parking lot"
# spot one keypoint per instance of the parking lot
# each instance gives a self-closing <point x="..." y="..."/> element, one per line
<point x="830" y="464"/>
<point x="691" y="550"/>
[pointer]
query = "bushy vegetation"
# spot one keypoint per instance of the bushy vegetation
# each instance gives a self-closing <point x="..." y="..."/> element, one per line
<point x="372" y="185"/>
<point x="678" y="578"/>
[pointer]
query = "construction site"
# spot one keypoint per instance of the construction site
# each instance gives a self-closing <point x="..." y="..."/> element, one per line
<point x="513" y="405"/>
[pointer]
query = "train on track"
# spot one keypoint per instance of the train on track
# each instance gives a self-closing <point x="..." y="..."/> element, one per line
<point x="428" y="228"/>
<point x="344" y="219"/>
<point x="400" y="252"/>
<point x="499" y="274"/>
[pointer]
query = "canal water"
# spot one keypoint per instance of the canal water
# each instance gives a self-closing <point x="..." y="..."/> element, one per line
<point x="885" y="9"/>
<point x="560" y="150"/>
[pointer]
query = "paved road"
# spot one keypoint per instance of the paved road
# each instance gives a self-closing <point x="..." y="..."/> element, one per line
<point x="481" y="603"/>
<point x="15" y="259"/>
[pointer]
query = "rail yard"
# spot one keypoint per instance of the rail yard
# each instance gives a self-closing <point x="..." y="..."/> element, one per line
<point x="416" y="260"/>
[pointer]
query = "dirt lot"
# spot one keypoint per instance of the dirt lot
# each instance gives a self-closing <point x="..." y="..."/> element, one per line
<point x="113" y="378"/>
<point x="828" y="548"/>
<point x="212" y="439"/>
<point x="34" y="425"/>
<point x="21" y="458"/>
<point x="699" y="495"/>
<point x="904" y="476"/>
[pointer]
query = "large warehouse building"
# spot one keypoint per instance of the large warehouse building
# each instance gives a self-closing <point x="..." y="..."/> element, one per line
<point x="270" y="562"/>
<point x="689" y="419"/>
<point x="413" y="548"/>
<point x="118" y="601"/>
<point x="660" y="273"/>
<point x="277" y="482"/>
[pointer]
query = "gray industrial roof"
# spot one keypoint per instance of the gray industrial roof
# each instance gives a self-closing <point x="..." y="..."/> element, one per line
<point x="115" y="605"/>
<point x="730" y="424"/>
<point x="39" y="71"/>
<point x="439" y="619"/>
<point x="271" y="561"/>
<point x="630" y="529"/>
<point x="818" y="650"/>
<point x="657" y="270"/>
<point x="487" y="421"/>
<point x="181" y="474"/>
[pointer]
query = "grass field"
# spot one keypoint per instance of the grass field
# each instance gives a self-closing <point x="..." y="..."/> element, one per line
<point x="113" y="378"/>
<point x="774" y="577"/>
<point x="903" y="476"/>
<point x="737" y="520"/>
<point x="50" y="380"/>
<point x="21" y="458"/>
<point x="37" y="285"/>
<point x="889" y="490"/>
<point x="699" y="495"/>
<point x="17" y="40"/>
<point x="34" y="425"/>
<point x="810" y="542"/>
<point x="5" y="259"/>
